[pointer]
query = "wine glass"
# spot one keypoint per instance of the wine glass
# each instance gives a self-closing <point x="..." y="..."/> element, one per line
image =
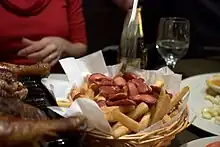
<point x="173" y="39"/>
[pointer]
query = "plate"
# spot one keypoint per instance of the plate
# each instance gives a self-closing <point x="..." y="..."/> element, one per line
<point x="201" y="142"/>
<point x="197" y="102"/>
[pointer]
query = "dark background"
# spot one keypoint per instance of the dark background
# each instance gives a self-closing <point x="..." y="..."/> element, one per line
<point x="104" y="23"/>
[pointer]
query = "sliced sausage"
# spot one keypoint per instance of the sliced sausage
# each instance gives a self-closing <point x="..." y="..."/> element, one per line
<point x="142" y="87"/>
<point x="129" y="76"/>
<point x="100" y="79"/>
<point x="105" y="82"/>
<point x="101" y="103"/>
<point x="120" y="81"/>
<point x="141" y="79"/>
<point x="155" y="89"/>
<point x="132" y="89"/>
<point x="108" y="90"/>
<point x="118" y="96"/>
<point x="123" y="102"/>
<point x="149" y="99"/>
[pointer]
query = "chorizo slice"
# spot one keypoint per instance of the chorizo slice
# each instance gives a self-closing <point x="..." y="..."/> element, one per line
<point x="105" y="82"/>
<point x="142" y="87"/>
<point x="132" y="89"/>
<point x="149" y="99"/>
<point x="119" y="81"/>
<point x="100" y="79"/>
<point x="155" y="89"/>
<point x="129" y="76"/>
<point x="101" y="103"/>
<point x="123" y="102"/>
<point x="118" y="96"/>
<point x="108" y="90"/>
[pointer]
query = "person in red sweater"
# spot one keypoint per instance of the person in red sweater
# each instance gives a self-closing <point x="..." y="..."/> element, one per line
<point x="41" y="30"/>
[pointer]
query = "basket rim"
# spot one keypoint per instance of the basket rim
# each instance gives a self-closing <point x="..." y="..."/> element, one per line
<point x="147" y="137"/>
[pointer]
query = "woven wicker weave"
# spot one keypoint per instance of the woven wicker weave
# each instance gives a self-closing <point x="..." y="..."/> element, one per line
<point x="157" y="138"/>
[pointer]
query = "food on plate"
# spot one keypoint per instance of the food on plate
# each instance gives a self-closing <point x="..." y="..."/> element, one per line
<point x="128" y="102"/>
<point x="214" y="144"/>
<point x="10" y="87"/>
<point x="39" y="69"/>
<point x="212" y="112"/>
<point x="17" y="132"/>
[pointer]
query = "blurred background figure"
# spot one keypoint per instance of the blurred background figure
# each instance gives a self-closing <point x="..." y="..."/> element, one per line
<point x="204" y="17"/>
<point x="41" y="30"/>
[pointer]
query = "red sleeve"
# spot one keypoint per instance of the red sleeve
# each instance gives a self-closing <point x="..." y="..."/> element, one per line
<point x="76" y="22"/>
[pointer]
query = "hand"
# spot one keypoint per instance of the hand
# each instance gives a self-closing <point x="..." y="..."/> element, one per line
<point x="48" y="49"/>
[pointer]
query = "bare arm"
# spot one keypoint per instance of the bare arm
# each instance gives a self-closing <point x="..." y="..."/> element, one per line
<point x="77" y="47"/>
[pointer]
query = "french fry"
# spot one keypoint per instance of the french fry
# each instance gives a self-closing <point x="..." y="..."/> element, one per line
<point x="126" y="109"/>
<point x="100" y="98"/>
<point x="166" y="118"/>
<point x="64" y="103"/>
<point x="145" y="121"/>
<point x="137" y="113"/>
<point x="126" y="121"/>
<point x="174" y="113"/>
<point x="120" y="131"/>
<point x="108" y="113"/>
<point x="90" y="93"/>
<point x="159" y="83"/>
<point x="85" y="86"/>
<point x="178" y="97"/>
<point x="162" y="107"/>
<point x="75" y="93"/>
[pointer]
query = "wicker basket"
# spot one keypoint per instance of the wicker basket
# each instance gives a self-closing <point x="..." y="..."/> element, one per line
<point x="157" y="138"/>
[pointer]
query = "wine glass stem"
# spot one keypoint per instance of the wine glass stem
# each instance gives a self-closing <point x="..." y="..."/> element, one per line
<point x="171" y="63"/>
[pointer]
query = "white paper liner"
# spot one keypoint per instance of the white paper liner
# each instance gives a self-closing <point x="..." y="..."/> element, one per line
<point x="76" y="71"/>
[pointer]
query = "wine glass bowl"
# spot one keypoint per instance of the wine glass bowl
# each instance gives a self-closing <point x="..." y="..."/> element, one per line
<point x="173" y="39"/>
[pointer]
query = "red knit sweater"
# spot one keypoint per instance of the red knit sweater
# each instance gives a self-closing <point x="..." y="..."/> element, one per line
<point x="36" y="19"/>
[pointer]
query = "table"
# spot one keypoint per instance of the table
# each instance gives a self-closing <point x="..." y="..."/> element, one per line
<point x="191" y="67"/>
